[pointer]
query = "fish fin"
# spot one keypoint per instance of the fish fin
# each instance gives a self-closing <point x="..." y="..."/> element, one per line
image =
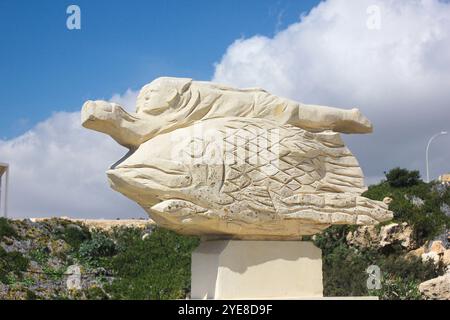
<point x="328" y="187"/>
<point x="258" y="198"/>
<point x="177" y="207"/>
<point x="337" y="208"/>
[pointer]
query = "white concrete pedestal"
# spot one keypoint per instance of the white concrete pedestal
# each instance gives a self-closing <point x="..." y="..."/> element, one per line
<point x="232" y="269"/>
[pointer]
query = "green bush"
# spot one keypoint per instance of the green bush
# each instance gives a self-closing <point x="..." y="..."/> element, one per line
<point x="155" y="268"/>
<point x="11" y="263"/>
<point x="75" y="235"/>
<point x="396" y="288"/>
<point x="344" y="268"/>
<point x="40" y="255"/>
<point x="100" y="246"/>
<point x="428" y="220"/>
<point x="411" y="268"/>
<point x="399" y="178"/>
<point x="6" y="230"/>
<point x="95" y="293"/>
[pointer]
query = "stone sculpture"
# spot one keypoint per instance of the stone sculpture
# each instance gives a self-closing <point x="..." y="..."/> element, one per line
<point x="166" y="104"/>
<point x="220" y="162"/>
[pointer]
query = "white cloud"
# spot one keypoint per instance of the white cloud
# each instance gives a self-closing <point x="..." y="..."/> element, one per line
<point x="58" y="168"/>
<point x="398" y="75"/>
<point x="126" y="100"/>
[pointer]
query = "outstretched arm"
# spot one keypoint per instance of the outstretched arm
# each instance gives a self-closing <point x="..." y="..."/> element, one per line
<point x="127" y="129"/>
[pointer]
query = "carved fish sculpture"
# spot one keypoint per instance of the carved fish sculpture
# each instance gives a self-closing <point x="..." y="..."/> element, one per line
<point x="247" y="178"/>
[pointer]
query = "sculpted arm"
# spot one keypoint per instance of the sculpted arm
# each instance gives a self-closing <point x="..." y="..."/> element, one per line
<point x="128" y="129"/>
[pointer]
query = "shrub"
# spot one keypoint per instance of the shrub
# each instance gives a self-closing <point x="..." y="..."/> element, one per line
<point x="100" y="246"/>
<point x="396" y="288"/>
<point x="399" y="178"/>
<point x="155" y="268"/>
<point x="75" y="235"/>
<point x="11" y="262"/>
<point x="344" y="269"/>
<point x="411" y="268"/>
<point x="95" y="293"/>
<point x="427" y="219"/>
<point x="40" y="255"/>
<point x="6" y="229"/>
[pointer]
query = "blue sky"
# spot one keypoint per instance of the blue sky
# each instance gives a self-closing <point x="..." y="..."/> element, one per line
<point x="122" y="44"/>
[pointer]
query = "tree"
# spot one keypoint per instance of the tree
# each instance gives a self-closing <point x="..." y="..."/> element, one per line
<point x="400" y="178"/>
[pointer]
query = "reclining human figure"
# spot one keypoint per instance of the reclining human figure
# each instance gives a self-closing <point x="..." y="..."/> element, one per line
<point x="167" y="104"/>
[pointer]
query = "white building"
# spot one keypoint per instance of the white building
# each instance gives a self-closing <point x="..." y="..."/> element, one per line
<point x="4" y="175"/>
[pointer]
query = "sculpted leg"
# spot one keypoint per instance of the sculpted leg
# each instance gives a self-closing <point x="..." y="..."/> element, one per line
<point x="318" y="118"/>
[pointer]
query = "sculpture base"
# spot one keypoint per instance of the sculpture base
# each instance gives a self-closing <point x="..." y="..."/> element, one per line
<point x="232" y="269"/>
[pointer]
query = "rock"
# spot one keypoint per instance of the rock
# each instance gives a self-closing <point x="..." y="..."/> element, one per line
<point x="100" y="271"/>
<point x="416" y="252"/>
<point x="386" y="236"/>
<point x="444" y="237"/>
<point x="445" y="208"/>
<point x="418" y="202"/>
<point x="58" y="247"/>
<point x="55" y="263"/>
<point x="439" y="188"/>
<point x="146" y="236"/>
<point x="446" y="257"/>
<point x="74" y="226"/>
<point x="387" y="200"/>
<point x="431" y="256"/>
<point x="435" y="252"/>
<point x="34" y="267"/>
<point x="30" y="223"/>
<point x="397" y="233"/>
<point x="437" y="288"/>
<point x="8" y="241"/>
<point x="222" y="162"/>
<point x="364" y="236"/>
<point x="437" y="247"/>
<point x="22" y="246"/>
<point x="74" y="278"/>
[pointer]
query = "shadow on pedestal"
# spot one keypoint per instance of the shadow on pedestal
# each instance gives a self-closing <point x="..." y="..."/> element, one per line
<point x="231" y="269"/>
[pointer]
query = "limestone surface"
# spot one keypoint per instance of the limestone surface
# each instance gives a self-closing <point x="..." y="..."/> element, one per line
<point x="166" y="104"/>
<point x="231" y="269"/>
<point x="437" y="288"/>
<point x="247" y="178"/>
<point x="220" y="162"/>
<point x="387" y="236"/>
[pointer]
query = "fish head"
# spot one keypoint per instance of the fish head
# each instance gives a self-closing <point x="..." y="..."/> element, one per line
<point x="166" y="167"/>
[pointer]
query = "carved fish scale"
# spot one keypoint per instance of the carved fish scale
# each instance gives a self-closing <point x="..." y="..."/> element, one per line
<point x="281" y="161"/>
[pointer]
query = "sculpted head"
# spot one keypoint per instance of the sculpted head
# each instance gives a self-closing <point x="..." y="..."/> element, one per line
<point x="162" y="95"/>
